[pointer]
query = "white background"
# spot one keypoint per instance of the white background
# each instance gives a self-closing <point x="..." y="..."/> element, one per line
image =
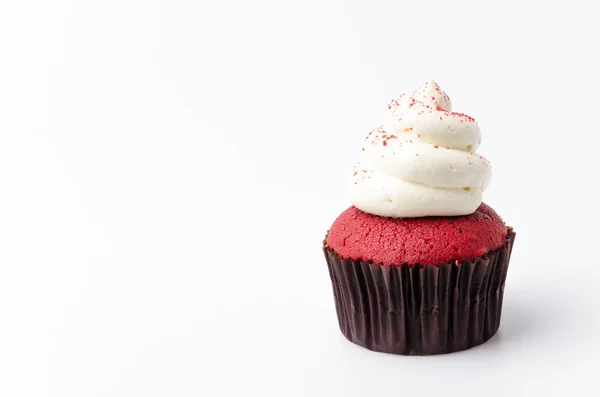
<point x="168" y="170"/>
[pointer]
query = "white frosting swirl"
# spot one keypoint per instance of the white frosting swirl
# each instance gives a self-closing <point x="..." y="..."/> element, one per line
<point x="421" y="161"/>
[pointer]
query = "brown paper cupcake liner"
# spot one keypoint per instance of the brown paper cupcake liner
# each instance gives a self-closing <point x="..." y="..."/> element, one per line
<point x="420" y="310"/>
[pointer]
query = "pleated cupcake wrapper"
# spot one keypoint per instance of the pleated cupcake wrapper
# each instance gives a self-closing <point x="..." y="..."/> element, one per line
<point x="420" y="310"/>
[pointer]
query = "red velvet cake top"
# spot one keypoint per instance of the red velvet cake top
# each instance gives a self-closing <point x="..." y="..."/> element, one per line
<point x="430" y="240"/>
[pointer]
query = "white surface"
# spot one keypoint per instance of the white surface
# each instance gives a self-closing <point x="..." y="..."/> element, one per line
<point x="168" y="170"/>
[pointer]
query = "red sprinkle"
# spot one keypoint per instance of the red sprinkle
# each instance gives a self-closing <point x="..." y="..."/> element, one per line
<point x="464" y="116"/>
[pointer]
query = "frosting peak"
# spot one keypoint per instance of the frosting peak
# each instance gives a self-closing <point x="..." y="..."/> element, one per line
<point x="429" y="94"/>
<point x="421" y="161"/>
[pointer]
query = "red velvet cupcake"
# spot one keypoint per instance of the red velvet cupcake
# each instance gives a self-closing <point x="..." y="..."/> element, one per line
<point x="418" y="263"/>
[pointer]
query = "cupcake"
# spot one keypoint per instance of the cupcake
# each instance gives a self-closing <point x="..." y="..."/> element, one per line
<point x="418" y="262"/>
